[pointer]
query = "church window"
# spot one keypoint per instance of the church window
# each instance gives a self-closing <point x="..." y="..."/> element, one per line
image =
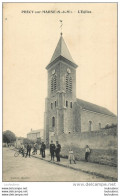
<point x="68" y="83"/>
<point x="51" y="105"/>
<point x="53" y="121"/>
<point x="70" y="104"/>
<point x="90" y="125"/>
<point x="55" y="104"/>
<point x="66" y="103"/>
<point x="53" y="83"/>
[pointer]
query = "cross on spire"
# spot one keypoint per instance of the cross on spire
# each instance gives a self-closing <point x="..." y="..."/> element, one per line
<point x="61" y="24"/>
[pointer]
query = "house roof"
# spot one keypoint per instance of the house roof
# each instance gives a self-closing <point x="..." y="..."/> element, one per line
<point x="93" y="107"/>
<point x="35" y="131"/>
<point x="61" y="50"/>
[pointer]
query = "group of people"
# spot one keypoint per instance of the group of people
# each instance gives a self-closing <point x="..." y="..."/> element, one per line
<point x="71" y="156"/>
<point x="54" y="151"/>
<point x="26" y="148"/>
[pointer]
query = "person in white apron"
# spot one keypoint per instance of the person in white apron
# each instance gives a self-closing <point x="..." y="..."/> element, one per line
<point x="71" y="156"/>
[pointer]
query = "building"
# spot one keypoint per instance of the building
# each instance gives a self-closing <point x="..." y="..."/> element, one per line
<point x="64" y="113"/>
<point x="34" y="135"/>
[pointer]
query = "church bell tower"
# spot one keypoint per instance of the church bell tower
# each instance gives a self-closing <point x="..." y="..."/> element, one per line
<point x="61" y="93"/>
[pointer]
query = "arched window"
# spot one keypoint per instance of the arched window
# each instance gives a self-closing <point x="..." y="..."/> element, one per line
<point x="70" y="104"/>
<point x="51" y="105"/>
<point x="66" y="104"/>
<point x="90" y="125"/>
<point x="53" y="121"/>
<point x="55" y="104"/>
<point x="53" y="83"/>
<point x="68" y="83"/>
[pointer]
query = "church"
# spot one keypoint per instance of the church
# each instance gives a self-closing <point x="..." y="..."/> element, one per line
<point x="64" y="113"/>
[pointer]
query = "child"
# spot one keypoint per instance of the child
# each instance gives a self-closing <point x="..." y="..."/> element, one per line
<point x="71" y="156"/>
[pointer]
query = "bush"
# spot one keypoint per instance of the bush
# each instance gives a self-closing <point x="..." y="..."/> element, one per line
<point x="110" y="126"/>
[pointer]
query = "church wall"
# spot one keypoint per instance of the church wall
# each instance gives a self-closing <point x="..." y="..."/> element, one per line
<point x="76" y="117"/>
<point x="95" y="118"/>
<point x="49" y="129"/>
<point x="68" y="119"/>
<point x="52" y="112"/>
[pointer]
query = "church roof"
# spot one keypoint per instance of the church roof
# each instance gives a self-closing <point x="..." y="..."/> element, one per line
<point x="95" y="108"/>
<point x="61" y="50"/>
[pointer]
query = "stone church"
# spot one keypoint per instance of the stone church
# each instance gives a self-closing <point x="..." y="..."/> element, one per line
<point x="64" y="113"/>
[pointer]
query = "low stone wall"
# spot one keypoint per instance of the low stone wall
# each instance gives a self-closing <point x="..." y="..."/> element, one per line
<point x="103" y="145"/>
<point x="107" y="157"/>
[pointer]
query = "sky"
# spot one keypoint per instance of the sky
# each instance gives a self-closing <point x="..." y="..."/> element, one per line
<point x="30" y="37"/>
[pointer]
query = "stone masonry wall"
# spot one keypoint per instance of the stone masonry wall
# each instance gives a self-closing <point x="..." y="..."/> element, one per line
<point x="103" y="145"/>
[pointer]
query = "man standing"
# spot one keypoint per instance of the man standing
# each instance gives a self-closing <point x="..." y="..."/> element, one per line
<point x="43" y="147"/>
<point x="28" y="150"/>
<point x="52" y="150"/>
<point x="40" y="148"/>
<point x="58" y="148"/>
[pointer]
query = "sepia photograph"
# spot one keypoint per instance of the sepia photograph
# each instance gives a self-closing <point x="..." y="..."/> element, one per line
<point x="60" y="120"/>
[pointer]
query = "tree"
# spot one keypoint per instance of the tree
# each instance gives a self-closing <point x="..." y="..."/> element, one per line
<point x="8" y="136"/>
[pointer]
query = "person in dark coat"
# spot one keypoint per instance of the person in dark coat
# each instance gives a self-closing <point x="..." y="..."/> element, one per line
<point x="40" y="148"/>
<point x="87" y="153"/>
<point x="58" y="149"/>
<point x="52" y="150"/>
<point x="43" y="147"/>
<point x="28" y="150"/>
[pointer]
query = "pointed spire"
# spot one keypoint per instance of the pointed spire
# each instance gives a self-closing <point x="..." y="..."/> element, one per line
<point x="62" y="50"/>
